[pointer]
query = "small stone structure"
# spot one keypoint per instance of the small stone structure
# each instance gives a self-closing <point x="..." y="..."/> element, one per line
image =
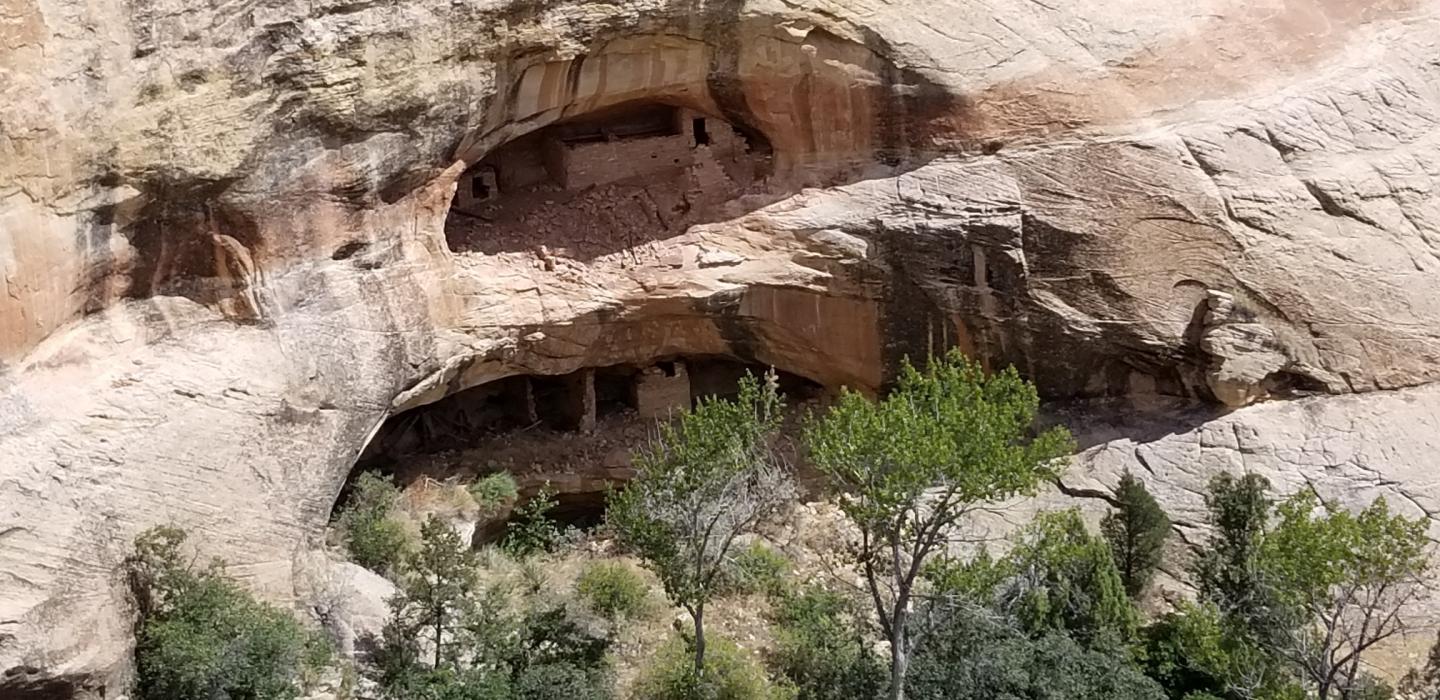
<point x="657" y="141"/>
<point x="662" y="391"/>
<point x="478" y="187"/>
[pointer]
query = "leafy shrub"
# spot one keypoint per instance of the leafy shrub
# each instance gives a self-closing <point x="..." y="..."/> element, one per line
<point x="494" y="492"/>
<point x="819" y="648"/>
<point x="756" y="569"/>
<point x="480" y="648"/>
<point x="730" y="674"/>
<point x="532" y="531"/>
<point x="375" y="540"/>
<point x="971" y="654"/>
<point x="202" y="636"/>
<point x="611" y="589"/>
<point x="1065" y="580"/>
<point x="561" y="681"/>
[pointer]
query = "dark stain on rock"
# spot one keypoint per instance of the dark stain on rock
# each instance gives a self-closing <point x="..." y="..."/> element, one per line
<point x="723" y="308"/>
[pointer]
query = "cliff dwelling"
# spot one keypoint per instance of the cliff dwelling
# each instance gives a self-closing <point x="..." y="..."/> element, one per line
<point x="573" y="432"/>
<point x="605" y="182"/>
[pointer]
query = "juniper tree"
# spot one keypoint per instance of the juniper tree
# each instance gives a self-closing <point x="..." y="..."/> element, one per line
<point x="1136" y="530"/>
<point x="912" y="466"/>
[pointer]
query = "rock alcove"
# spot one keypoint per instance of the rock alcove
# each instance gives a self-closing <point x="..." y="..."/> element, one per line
<point x="570" y="433"/>
<point x="605" y="182"/>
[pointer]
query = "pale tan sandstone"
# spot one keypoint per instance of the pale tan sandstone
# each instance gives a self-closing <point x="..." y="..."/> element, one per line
<point x="224" y="256"/>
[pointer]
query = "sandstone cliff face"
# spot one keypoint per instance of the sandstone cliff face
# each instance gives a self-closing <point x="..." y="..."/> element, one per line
<point x="223" y="242"/>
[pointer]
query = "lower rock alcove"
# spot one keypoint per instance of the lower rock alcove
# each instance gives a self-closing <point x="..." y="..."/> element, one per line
<point x="571" y="434"/>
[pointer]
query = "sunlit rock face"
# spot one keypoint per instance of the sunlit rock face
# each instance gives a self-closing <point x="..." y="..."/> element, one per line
<point x="235" y="238"/>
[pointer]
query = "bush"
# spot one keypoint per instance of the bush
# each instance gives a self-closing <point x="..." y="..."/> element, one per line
<point x="1066" y="581"/>
<point x="730" y="674"/>
<point x="820" y="651"/>
<point x="494" y="492"/>
<point x="561" y="681"/>
<point x="611" y="589"/>
<point x="532" y="530"/>
<point x="756" y="569"/>
<point x="202" y="636"/>
<point x="489" y="651"/>
<point x="374" y="539"/>
<point x="974" y="655"/>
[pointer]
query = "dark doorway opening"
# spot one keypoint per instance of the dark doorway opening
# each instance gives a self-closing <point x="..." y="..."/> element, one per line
<point x="702" y="136"/>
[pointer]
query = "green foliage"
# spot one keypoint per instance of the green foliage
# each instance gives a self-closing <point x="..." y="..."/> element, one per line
<point x="494" y="492"/>
<point x="531" y="530"/>
<point x="374" y="539"/>
<point x="1308" y="555"/>
<point x="730" y="674"/>
<point x="1196" y="652"/>
<point x="911" y="466"/>
<point x="974" y="581"/>
<point x="952" y="428"/>
<point x="974" y="655"/>
<point x="202" y="636"/>
<point x="1065" y="580"/>
<point x="706" y="479"/>
<point x="1343" y="582"/>
<point x="560" y="681"/>
<point x="449" y="640"/>
<point x="757" y="568"/>
<point x="437" y="587"/>
<point x="1292" y="608"/>
<point x="1136" y="530"/>
<point x="612" y="590"/>
<point x="1226" y="571"/>
<point x="820" y="649"/>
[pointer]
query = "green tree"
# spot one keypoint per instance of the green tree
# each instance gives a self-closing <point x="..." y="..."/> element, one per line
<point x="731" y="674"/>
<point x="973" y="654"/>
<point x="912" y="466"/>
<point x="202" y="636"/>
<point x="612" y="589"/>
<point x="1196" y="652"/>
<point x="1349" y="579"/>
<point x="1065" y="580"/>
<point x="531" y="530"/>
<point x="821" y="650"/>
<point x="437" y="588"/>
<point x="1227" y="571"/>
<point x="1136" y="530"/>
<point x="482" y="649"/>
<point x="375" y="540"/>
<point x="706" y="479"/>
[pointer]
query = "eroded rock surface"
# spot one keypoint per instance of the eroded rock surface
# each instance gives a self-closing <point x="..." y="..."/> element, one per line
<point x="225" y="261"/>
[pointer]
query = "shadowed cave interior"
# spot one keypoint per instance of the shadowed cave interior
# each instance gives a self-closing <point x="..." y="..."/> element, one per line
<point x="572" y="432"/>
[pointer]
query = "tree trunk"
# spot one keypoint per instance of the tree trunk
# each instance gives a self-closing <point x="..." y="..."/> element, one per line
<point x="439" y="627"/>
<point x="699" y="615"/>
<point x="899" y="655"/>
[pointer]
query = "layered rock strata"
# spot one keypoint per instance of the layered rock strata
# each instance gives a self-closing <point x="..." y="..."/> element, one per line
<point x="223" y="242"/>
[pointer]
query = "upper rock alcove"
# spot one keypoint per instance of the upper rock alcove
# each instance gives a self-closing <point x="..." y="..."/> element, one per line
<point x="605" y="182"/>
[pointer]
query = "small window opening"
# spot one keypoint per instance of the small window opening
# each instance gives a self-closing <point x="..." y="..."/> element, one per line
<point x="478" y="189"/>
<point x="702" y="136"/>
